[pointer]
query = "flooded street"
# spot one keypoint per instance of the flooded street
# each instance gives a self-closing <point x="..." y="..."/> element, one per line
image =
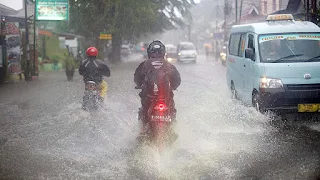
<point x="45" y="134"/>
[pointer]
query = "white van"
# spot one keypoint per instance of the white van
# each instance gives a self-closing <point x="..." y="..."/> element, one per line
<point x="275" y="65"/>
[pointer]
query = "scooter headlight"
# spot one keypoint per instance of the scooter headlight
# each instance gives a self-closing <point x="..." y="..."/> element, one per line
<point x="223" y="54"/>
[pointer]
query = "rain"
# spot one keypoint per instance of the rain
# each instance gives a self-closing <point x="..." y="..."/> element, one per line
<point x="45" y="133"/>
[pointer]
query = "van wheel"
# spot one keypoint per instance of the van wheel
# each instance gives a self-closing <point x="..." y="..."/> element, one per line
<point x="256" y="103"/>
<point x="234" y="93"/>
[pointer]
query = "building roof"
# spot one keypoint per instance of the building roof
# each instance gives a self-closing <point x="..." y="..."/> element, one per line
<point x="252" y="19"/>
<point x="253" y="10"/>
<point x="5" y="10"/>
<point x="251" y="15"/>
<point x="293" y="7"/>
<point x="276" y="27"/>
<point x="10" y="14"/>
<point x="68" y="35"/>
<point x="30" y="11"/>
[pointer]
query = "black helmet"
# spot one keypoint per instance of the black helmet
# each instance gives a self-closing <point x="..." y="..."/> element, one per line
<point x="156" y="49"/>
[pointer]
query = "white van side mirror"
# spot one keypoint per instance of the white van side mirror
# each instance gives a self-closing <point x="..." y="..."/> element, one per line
<point x="249" y="53"/>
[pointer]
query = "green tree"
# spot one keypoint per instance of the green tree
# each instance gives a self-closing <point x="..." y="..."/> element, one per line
<point x="125" y="19"/>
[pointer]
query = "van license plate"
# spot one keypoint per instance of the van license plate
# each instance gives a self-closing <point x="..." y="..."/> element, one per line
<point x="308" y="107"/>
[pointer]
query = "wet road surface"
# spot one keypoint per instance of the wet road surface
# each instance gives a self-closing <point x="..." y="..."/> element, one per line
<point x="44" y="134"/>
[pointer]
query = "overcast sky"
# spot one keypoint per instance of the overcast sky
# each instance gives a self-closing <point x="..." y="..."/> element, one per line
<point x="14" y="4"/>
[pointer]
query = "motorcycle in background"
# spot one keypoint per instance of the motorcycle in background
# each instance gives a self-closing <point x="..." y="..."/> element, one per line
<point x="223" y="55"/>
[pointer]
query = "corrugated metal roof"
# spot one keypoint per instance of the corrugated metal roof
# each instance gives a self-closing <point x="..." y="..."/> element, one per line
<point x="293" y="6"/>
<point x="67" y="34"/>
<point x="5" y="10"/>
<point x="277" y="27"/>
<point x="30" y="11"/>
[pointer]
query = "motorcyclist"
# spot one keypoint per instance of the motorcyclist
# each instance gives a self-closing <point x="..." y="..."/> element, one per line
<point x="156" y="59"/>
<point x="92" y="69"/>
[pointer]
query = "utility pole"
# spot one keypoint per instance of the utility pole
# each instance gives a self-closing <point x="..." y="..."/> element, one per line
<point x="3" y="55"/>
<point x="241" y="3"/>
<point x="215" y="41"/>
<point x="189" y="26"/>
<point x="308" y="7"/>
<point x="217" y="14"/>
<point x="27" y="74"/>
<point x="225" y="20"/>
<point x="314" y="17"/>
<point x="34" y="39"/>
<point x="236" y="11"/>
<point x="305" y="9"/>
<point x="189" y="33"/>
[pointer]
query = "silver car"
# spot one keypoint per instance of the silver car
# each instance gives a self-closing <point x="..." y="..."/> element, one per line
<point x="187" y="52"/>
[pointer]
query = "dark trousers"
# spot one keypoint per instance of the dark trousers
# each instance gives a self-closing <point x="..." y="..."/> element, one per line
<point x="70" y="72"/>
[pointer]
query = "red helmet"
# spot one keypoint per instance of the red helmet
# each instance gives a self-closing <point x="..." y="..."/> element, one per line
<point x="92" y="51"/>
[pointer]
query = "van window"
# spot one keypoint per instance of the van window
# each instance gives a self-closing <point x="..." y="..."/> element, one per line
<point x="234" y="44"/>
<point x="237" y="44"/>
<point x="242" y="45"/>
<point x="251" y="41"/>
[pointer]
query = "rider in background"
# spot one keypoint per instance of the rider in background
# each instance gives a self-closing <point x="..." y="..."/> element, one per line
<point x="92" y="69"/>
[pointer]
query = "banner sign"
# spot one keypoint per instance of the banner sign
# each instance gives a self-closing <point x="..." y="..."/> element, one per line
<point x="105" y="36"/>
<point x="52" y="10"/>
